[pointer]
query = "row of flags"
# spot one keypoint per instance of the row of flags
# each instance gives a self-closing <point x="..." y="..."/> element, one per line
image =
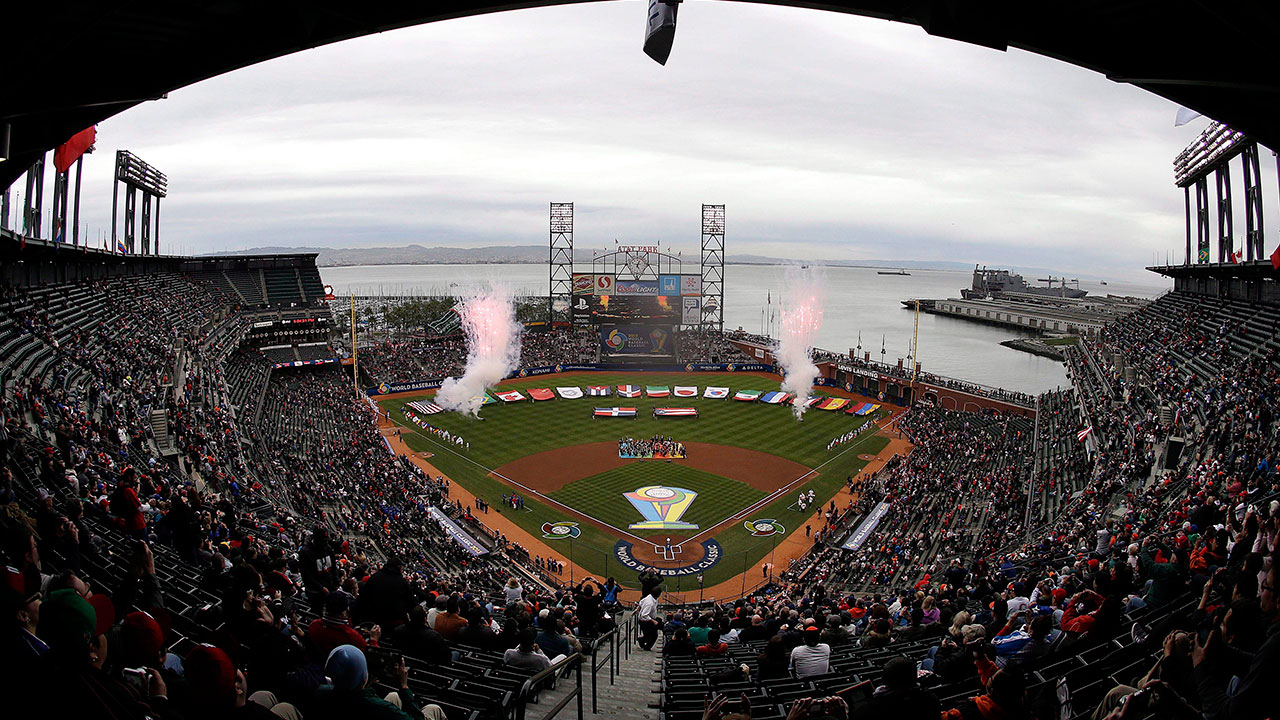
<point x="775" y="397"/>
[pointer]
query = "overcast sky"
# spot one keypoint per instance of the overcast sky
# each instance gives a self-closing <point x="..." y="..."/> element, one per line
<point x="825" y="135"/>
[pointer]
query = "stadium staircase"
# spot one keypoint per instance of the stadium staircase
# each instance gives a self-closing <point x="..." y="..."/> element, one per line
<point x="632" y="695"/>
<point x="159" y="420"/>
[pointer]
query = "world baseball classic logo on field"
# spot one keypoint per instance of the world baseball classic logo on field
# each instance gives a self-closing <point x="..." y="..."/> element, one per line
<point x="764" y="528"/>
<point x="562" y="530"/>
<point x="661" y="507"/>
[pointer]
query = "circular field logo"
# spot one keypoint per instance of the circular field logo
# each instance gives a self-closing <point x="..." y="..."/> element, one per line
<point x="764" y="528"/>
<point x="563" y="530"/>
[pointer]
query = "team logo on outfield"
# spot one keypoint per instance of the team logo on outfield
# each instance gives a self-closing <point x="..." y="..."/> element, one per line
<point x="616" y="340"/>
<point x="558" y="368"/>
<point x="662" y="507"/>
<point x="524" y="373"/>
<point x="764" y="528"/>
<point x="688" y="368"/>
<point x="730" y="367"/>
<point x="562" y="530"/>
<point x="384" y="388"/>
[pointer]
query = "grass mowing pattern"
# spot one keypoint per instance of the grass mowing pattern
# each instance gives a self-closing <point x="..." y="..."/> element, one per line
<point x="509" y="432"/>
<point x="600" y="496"/>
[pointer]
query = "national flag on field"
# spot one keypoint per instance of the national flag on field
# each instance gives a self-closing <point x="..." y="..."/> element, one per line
<point x="747" y="395"/>
<point x="615" y="412"/>
<point x="657" y="391"/>
<point x="426" y="408"/>
<point x="716" y="393"/>
<point x="810" y="402"/>
<point x="485" y="399"/>
<point x="1084" y="433"/>
<point x="864" y="409"/>
<point x="675" y="412"/>
<point x="629" y="391"/>
<point x="570" y="393"/>
<point x="777" y="397"/>
<point x="510" y="396"/>
<point x="597" y="390"/>
<point x="685" y="391"/>
<point x="832" y="404"/>
<point x="541" y="394"/>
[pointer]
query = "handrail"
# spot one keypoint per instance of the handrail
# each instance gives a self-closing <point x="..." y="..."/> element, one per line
<point x="611" y="659"/>
<point x="532" y="687"/>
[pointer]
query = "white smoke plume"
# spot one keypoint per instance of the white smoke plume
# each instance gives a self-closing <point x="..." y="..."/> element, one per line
<point x="805" y="296"/>
<point x="493" y="348"/>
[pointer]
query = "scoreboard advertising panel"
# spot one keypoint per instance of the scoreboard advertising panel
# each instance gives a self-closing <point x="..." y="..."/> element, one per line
<point x="637" y="340"/>
<point x="605" y="300"/>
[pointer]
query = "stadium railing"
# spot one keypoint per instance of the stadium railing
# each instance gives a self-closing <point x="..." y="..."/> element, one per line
<point x="535" y="684"/>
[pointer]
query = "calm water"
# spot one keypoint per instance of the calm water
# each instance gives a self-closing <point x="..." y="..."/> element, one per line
<point x="859" y="303"/>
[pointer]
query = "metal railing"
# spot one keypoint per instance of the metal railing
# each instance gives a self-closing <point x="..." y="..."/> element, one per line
<point x="534" y="685"/>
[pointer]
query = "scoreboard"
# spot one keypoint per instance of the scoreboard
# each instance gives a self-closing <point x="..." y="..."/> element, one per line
<point x="600" y="299"/>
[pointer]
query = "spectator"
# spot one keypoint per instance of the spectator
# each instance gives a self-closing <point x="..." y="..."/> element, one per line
<point x="813" y="657"/>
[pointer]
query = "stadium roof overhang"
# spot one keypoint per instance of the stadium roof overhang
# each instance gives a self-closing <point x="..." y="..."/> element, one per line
<point x="1254" y="270"/>
<point x="74" y="64"/>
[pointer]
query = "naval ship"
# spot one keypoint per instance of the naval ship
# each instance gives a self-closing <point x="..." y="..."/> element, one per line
<point x="994" y="283"/>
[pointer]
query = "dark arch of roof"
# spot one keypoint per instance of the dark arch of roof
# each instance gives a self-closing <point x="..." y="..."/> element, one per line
<point x="71" y="64"/>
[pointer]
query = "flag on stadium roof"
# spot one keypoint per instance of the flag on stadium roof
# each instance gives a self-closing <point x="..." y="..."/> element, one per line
<point x="1084" y="433"/>
<point x="686" y="391"/>
<point x="629" y="391"/>
<point x="595" y="390"/>
<point x="426" y="408"/>
<point x="615" y="412"/>
<point x="510" y="396"/>
<point x="747" y="395"/>
<point x="569" y="393"/>
<point x="675" y="412"/>
<point x="541" y="394"/>
<point x="716" y="393"/>
<point x="657" y="391"/>
<point x="832" y="404"/>
<point x="776" y="397"/>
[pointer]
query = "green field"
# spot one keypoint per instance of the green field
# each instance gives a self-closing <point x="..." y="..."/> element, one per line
<point x="600" y="496"/>
<point x="511" y="431"/>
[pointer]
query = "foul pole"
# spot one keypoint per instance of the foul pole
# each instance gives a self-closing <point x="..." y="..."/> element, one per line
<point x="355" y="362"/>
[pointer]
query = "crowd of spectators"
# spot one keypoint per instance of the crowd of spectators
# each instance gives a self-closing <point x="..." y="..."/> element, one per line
<point x="295" y="543"/>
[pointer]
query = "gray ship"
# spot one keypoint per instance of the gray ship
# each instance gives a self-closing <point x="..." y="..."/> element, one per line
<point x="994" y="283"/>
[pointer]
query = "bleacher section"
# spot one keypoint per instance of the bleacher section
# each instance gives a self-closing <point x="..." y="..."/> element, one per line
<point x="283" y="286"/>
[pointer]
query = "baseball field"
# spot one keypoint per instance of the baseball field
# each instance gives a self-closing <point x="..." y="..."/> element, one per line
<point x="718" y="512"/>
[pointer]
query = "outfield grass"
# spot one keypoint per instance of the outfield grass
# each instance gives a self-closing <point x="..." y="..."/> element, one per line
<point x="511" y="431"/>
<point x="601" y="496"/>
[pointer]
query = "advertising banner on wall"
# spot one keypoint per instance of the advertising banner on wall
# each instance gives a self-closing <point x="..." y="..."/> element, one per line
<point x="604" y="285"/>
<point x="691" y="312"/>
<point x="583" y="283"/>
<point x="635" y="287"/>
<point x="690" y="284"/>
<point x="669" y="285"/>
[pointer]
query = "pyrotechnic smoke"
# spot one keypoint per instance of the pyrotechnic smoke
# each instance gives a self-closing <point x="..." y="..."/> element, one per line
<point x="493" y="348"/>
<point x="805" y="297"/>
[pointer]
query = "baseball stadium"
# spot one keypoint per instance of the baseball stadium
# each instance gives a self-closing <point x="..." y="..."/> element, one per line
<point x="244" y="484"/>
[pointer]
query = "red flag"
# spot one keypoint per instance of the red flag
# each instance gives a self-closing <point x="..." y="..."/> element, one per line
<point x="1235" y="257"/>
<point x="1275" y="258"/>
<point x="71" y="150"/>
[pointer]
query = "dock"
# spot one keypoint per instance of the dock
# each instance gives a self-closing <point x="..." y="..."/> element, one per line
<point x="1084" y="317"/>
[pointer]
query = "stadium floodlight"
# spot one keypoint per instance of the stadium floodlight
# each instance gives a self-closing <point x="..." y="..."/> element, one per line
<point x="660" y="29"/>
<point x="1215" y="146"/>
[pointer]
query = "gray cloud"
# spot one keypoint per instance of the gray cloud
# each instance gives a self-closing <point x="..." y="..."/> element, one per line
<point x="825" y="135"/>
